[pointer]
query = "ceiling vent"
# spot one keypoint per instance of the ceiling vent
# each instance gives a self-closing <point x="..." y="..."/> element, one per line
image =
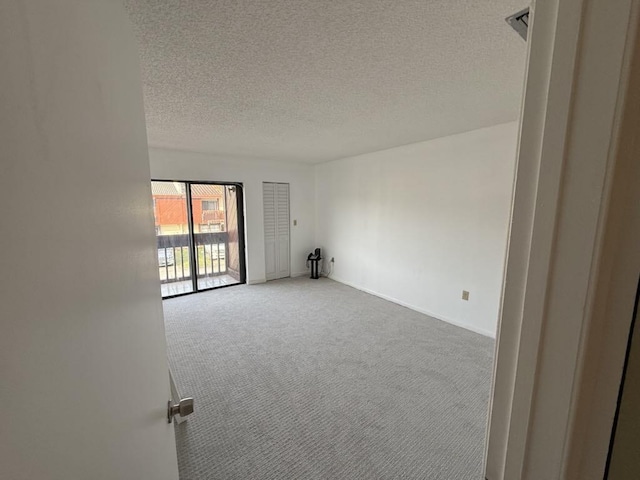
<point x="520" y="22"/>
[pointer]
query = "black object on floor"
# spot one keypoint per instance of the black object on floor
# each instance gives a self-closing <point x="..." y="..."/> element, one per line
<point x="314" y="259"/>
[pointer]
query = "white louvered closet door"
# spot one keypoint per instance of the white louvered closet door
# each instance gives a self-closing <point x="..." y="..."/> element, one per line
<point x="276" y="230"/>
<point x="282" y="221"/>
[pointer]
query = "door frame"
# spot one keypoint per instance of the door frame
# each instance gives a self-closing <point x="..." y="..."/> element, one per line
<point x="241" y="232"/>
<point x="557" y="369"/>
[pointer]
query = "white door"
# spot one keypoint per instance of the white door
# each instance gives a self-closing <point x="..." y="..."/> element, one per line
<point x="270" y="230"/>
<point x="276" y="230"/>
<point x="283" y="234"/>
<point x="84" y="379"/>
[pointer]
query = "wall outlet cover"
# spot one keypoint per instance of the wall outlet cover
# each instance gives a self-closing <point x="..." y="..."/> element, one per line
<point x="465" y="295"/>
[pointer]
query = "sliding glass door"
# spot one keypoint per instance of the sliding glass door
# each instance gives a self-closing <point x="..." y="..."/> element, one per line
<point x="215" y="223"/>
<point x="198" y="224"/>
<point x="173" y="235"/>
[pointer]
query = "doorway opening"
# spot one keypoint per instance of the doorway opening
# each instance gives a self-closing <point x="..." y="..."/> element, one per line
<point x="200" y="235"/>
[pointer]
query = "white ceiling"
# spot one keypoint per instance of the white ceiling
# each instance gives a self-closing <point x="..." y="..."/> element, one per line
<point x="315" y="80"/>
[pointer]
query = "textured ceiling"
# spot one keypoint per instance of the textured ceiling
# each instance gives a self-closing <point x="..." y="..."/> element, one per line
<point x="315" y="80"/>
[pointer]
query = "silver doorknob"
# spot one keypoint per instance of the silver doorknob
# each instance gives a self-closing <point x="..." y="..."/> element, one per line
<point x="183" y="408"/>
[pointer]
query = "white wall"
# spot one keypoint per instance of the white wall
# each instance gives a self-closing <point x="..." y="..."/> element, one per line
<point x="420" y="223"/>
<point x="177" y="165"/>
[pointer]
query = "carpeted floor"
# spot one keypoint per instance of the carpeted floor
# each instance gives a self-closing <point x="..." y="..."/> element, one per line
<point x="311" y="379"/>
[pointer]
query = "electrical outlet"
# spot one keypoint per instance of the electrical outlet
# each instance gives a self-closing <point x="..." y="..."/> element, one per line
<point x="465" y="295"/>
<point x="333" y="259"/>
<point x="295" y="223"/>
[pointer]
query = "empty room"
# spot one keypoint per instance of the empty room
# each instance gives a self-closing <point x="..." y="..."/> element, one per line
<point x="362" y="239"/>
<point x="382" y="133"/>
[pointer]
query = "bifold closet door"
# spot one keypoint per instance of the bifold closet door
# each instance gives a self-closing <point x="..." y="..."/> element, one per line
<point x="276" y="230"/>
<point x="283" y="233"/>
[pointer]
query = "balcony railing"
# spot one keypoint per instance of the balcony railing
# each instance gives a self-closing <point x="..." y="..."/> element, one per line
<point x="213" y="216"/>
<point x="174" y="260"/>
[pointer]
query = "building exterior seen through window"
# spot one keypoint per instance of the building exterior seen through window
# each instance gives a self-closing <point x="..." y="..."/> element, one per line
<point x="171" y="213"/>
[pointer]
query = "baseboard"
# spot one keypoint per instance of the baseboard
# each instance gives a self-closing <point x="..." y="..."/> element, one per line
<point x="264" y="280"/>
<point x="471" y="328"/>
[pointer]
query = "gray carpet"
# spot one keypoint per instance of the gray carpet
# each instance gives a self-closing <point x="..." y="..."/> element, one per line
<point x="311" y="379"/>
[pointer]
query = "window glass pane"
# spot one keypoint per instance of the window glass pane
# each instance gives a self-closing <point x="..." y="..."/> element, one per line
<point x="172" y="235"/>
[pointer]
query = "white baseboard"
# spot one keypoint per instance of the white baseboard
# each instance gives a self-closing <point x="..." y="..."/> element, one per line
<point x="466" y="326"/>
<point x="264" y="280"/>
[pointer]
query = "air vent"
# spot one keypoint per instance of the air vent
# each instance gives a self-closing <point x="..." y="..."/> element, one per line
<point x="520" y="22"/>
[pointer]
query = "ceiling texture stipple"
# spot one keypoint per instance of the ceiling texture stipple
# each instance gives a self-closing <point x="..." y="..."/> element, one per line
<point x="317" y="80"/>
